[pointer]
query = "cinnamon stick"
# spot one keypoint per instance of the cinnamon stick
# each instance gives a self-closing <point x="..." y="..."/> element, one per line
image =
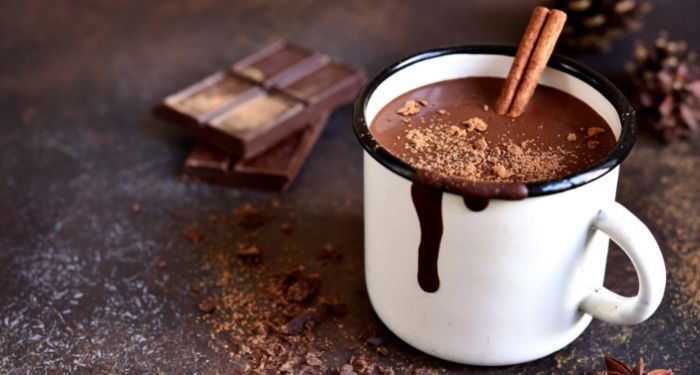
<point x="538" y="61"/>
<point x="530" y="60"/>
<point x="527" y="45"/>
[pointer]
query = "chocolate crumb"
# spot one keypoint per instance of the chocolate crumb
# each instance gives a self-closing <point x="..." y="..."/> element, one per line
<point x="406" y="120"/>
<point x="196" y="288"/>
<point x="592" y="144"/>
<point x="594" y="131"/>
<point x="159" y="262"/>
<point x="287" y="227"/>
<point x="442" y="112"/>
<point x="476" y="123"/>
<point x="136" y="208"/>
<point x="329" y="253"/>
<point x="249" y="253"/>
<point x="247" y="216"/>
<point x="303" y="289"/>
<point x="486" y="108"/>
<point x="409" y="108"/>
<point x="193" y="234"/>
<point x="424" y="103"/>
<point x="207" y="305"/>
<point x="571" y="137"/>
<point x="275" y="204"/>
<point x="298" y="323"/>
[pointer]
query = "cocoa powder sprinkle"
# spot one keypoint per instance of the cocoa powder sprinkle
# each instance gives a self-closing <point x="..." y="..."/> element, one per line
<point x="409" y="108"/>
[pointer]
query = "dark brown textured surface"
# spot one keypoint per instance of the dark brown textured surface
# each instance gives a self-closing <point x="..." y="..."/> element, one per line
<point x="89" y="284"/>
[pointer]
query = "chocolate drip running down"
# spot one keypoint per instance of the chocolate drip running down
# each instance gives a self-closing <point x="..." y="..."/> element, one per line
<point x="426" y="193"/>
<point x="428" y="204"/>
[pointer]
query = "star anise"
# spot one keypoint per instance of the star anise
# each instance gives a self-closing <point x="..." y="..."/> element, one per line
<point x="617" y="367"/>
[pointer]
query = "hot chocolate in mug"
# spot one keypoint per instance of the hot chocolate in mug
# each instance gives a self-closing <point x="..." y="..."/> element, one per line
<point x="522" y="277"/>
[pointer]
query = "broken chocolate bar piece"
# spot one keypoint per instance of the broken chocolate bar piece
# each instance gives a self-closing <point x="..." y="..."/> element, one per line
<point x="278" y="63"/>
<point x="262" y="99"/>
<point x="195" y="105"/>
<point x="274" y="169"/>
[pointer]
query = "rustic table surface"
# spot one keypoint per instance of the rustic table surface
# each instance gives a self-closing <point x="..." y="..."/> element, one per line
<point x="88" y="284"/>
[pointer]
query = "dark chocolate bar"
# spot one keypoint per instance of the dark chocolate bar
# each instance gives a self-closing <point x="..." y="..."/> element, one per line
<point x="274" y="169"/>
<point x="262" y="99"/>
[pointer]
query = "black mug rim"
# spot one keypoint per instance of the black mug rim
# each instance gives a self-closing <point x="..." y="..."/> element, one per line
<point x="566" y="65"/>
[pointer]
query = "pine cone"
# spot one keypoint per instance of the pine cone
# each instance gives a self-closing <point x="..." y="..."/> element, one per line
<point x="591" y="24"/>
<point x="669" y="87"/>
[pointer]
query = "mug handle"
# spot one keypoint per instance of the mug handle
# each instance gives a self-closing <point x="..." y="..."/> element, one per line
<point x="637" y="242"/>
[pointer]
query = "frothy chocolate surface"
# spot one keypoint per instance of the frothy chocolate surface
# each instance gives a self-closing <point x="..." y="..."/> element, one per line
<point x="450" y="127"/>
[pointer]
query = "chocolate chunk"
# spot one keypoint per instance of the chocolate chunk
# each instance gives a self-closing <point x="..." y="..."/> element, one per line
<point x="298" y="323"/>
<point x="274" y="169"/>
<point x="309" y="318"/>
<point x="262" y="99"/>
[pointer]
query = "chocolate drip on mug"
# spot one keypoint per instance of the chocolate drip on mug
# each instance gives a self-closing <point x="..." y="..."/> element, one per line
<point x="476" y="204"/>
<point x="428" y="204"/>
<point x="426" y="193"/>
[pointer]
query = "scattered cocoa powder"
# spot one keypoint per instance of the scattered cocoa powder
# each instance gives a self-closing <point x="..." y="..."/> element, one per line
<point x="466" y="153"/>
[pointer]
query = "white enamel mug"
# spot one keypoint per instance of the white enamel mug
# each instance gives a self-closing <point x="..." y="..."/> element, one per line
<point x="522" y="278"/>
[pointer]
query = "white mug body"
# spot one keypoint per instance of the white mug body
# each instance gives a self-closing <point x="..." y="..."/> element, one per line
<point x="513" y="277"/>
